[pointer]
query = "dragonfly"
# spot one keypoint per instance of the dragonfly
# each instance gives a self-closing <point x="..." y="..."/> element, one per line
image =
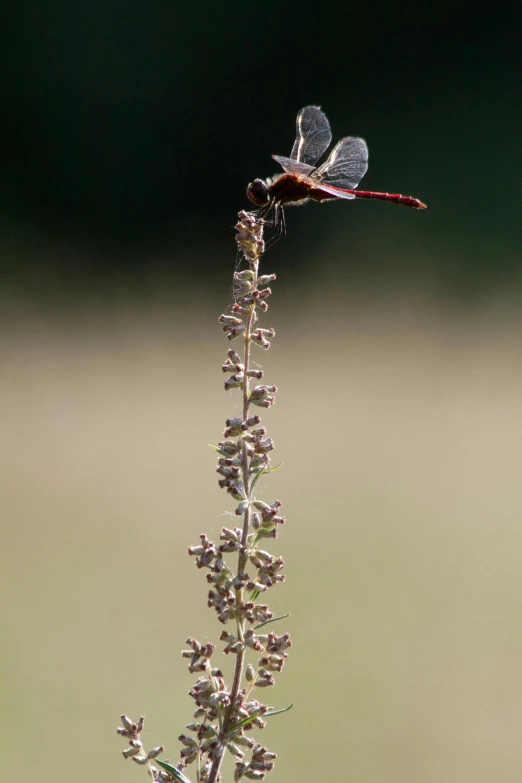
<point x="336" y="178"/>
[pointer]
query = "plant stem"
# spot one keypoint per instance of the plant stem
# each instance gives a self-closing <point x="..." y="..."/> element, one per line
<point x="242" y="559"/>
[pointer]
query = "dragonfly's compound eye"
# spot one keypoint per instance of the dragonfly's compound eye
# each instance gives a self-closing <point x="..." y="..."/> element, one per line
<point x="258" y="192"/>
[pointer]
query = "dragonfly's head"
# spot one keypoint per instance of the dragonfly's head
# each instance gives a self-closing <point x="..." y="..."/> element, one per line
<point x="259" y="192"/>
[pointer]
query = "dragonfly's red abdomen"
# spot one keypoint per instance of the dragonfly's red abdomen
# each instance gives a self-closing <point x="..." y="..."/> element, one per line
<point x="397" y="198"/>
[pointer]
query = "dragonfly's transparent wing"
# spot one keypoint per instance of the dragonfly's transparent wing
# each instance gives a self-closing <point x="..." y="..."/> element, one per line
<point x="292" y="166"/>
<point x="313" y="135"/>
<point x="346" y="165"/>
<point x="337" y="192"/>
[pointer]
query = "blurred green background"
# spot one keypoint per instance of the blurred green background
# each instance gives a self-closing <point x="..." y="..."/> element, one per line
<point x="130" y="133"/>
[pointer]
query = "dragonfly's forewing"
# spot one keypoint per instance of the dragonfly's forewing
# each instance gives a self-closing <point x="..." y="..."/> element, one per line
<point x="346" y="166"/>
<point x="292" y="166"/>
<point x="335" y="191"/>
<point x="313" y="135"/>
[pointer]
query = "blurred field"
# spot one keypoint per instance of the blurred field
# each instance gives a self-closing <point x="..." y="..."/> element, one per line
<point x="400" y="429"/>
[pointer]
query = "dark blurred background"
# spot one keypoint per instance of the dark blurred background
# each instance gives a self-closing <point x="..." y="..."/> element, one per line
<point x="130" y="132"/>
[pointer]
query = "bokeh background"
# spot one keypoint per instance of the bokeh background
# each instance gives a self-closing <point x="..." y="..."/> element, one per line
<point x="130" y="132"/>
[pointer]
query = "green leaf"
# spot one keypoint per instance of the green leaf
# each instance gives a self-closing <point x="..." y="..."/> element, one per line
<point x="219" y="451"/>
<point x="172" y="771"/>
<point x="271" y="470"/>
<point x="255" y="595"/>
<point x="260" y="472"/>
<point x="263" y="532"/>
<point x="245" y="721"/>
<point x="254" y="480"/>
<point x="273" y="620"/>
<point x="278" y="712"/>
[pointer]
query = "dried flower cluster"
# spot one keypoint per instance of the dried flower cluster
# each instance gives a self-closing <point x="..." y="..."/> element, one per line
<point x="225" y="712"/>
<point x="136" y="751"/>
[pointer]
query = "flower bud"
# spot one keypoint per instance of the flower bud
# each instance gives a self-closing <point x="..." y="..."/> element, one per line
<point x="259" y="461"/>
<point x="229" y="320"/>
<point x="264" y="446"/>
<point x="234" y="427"/>
<point x="246" y="276"/>
<point x="234" y="331"/>
<point x="152" y="754"/>
<point x="265" y="279"/>
<point x="140" y="759"/>
<point x="235" y="381"/>
<point x="237" y="490"/>
<point x="130" y="752"/>
<point x="229" y="447"/>
<point x="189" y="742"/>
<point x="261" y="506"/>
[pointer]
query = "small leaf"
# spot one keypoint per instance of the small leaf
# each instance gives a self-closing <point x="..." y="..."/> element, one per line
<point x="263" y="532"/>
<point x="273" y="620"/>
<point x="261" y="472"/>
<point x="245" y="721"/>
<point x="278" y="712"/>
<point x="271" y="470"/>
<point x="254" y="480"/>
<point x="255" y="595"/>
<point x="172" y="771"/>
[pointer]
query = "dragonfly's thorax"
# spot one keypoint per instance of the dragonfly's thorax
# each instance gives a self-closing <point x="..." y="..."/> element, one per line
<point x="290" y="189"/>
<point x="259" y="192"/>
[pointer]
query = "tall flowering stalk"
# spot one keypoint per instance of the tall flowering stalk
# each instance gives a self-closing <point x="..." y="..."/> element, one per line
<point x="224" y="712"/>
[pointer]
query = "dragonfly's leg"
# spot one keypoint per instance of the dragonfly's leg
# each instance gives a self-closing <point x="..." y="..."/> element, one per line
<point x="264" y="212"/>
<point x="279" y="225"/>
<point x="283" y="223"/>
